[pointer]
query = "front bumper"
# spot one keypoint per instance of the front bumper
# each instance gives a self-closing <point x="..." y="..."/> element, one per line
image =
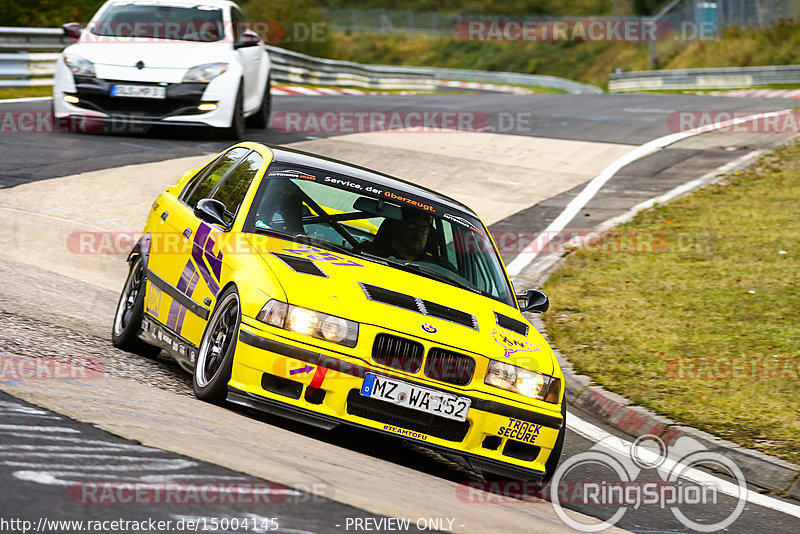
<point x="180" y="107"/>
<point x="181" y="99"/>
<point x="322" y="388"/>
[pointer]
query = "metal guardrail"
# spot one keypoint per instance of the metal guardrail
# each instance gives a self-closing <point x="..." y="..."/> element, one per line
<point x="294" y="67"/>
<point x="512" y="78"/>
<point x="718" y="78"/>
<point x="23" y="68"/>
<point x="32" y="39"/>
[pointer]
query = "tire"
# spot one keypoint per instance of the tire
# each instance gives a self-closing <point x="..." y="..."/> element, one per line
<point x="236" y="130"/>
<point x="212" y="371"/>
<point x="128" y="317"/>
<point x="261" y="118"/>
<point x="555" y="456"/>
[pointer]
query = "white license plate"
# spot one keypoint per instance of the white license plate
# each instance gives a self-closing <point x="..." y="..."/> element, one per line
<point x="139" y="91"/>
<point x="415" y="397"/>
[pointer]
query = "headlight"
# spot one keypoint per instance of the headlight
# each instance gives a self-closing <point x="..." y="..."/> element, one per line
<point x="522" y="381"/>
<point x="79" y="66"/>
<point x="309" y="322"/>
<point x="205" y="73"/>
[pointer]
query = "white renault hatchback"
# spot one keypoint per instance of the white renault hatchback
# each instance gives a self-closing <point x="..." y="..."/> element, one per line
<point x="178" y="62"/>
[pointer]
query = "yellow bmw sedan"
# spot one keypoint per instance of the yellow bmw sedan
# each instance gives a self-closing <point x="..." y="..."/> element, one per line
<point x="332" y="294"/>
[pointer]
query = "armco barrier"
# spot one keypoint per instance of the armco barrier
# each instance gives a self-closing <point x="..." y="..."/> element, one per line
<point x="718" y="78"/>
<point x="19" y="68"/>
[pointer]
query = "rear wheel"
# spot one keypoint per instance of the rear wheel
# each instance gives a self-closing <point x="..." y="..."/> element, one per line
<point x="261" y="118"/>
<point x="212" y="370"/>
<point x="128" y="317"/>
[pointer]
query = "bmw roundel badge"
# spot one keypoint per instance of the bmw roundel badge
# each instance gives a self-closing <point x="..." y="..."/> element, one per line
<point x="429" y="328"/>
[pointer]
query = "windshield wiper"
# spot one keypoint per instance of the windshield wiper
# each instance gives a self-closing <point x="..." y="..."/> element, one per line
<point x="419" y="269"/>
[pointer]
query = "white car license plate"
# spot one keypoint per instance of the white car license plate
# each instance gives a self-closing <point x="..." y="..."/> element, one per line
<point x="415" y="397"/>
<point x="139" y="91"/>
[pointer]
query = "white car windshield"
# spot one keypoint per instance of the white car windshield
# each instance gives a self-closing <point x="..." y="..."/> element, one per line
<point x="415" y="234"/>
<point x="160" y="21"/>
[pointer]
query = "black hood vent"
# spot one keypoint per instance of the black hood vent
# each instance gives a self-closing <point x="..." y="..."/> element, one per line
<point x="511" y="324"/>
<point x="449" y="314"/>
<point x="300" y="265"/>
<point x="393" y="298"/>
<point x="418" y="305"/>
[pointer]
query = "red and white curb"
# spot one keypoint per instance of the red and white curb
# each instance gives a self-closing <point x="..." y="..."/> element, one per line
<point x="759" y="93"/>
<point x="313" y="91"/>
<point x="486" y="87"/>
<point x="325" y="91"/>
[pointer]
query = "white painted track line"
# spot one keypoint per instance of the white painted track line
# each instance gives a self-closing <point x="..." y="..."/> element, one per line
<point x="620" y="446"/>
<point x="31" y="99"/>
<point x="682" y="189"/>
<point x="529" y="254"/>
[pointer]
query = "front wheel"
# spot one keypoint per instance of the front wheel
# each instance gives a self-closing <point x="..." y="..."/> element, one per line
<point x="236" y="130"/>
<point x="212" y="371"/>
<point x="261" y="117"/>
<point x="128" y="317"/>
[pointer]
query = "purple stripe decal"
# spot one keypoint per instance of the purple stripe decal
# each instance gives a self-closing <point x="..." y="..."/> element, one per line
<point x="175" y="307"/>
<point x="204" y="246"/>
<point x="189" y="291"/>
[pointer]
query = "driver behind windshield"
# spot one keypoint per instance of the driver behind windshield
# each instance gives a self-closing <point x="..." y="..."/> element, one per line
<point x="404" y="239"/>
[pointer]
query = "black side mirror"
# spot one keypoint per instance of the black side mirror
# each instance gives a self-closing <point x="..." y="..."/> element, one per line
<point x="72" y="30"/>
<point x="535" y="301"/>
<point x="247" y="38"/>
<point x="211" y="210"/>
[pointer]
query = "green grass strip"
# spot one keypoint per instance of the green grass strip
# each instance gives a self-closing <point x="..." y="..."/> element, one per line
<point x="703" y="323"/>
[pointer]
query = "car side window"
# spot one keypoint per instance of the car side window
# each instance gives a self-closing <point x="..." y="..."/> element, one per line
<point x="238" y="24"/>
<point x="205" y="185"/>
<point x="234" y="188"/>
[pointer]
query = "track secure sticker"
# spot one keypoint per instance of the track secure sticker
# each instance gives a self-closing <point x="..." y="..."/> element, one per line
<point x="511" y="344"/>
<point x="520" y="431"/>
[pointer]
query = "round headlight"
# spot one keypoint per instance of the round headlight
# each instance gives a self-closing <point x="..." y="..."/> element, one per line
<point x="529" y="384"/>
<point x="334" y="328"/>
<point x="302" y="321"/>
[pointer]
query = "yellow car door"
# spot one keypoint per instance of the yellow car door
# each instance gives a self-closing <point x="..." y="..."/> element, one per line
<point x="183" y="270"/>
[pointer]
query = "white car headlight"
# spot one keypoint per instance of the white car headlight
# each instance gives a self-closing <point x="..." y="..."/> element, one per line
<point x="79" y="66"/>
<point x="523" y="381"/>
<point x="205" y="73"/>
<point x="309" y="322"/>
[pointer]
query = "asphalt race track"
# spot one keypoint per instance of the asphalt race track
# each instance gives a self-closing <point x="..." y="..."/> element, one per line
<point x="137" y="422"/>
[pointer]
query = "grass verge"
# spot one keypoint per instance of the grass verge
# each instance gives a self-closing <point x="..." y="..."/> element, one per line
<point x="705" y="328"/>
<point x="25" y="92"/>
<point x="584" y="61"/>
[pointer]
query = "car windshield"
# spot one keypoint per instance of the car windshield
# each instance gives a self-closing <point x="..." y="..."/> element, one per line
<point x="411" y="233"/>
<point x="160" y="21"/>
